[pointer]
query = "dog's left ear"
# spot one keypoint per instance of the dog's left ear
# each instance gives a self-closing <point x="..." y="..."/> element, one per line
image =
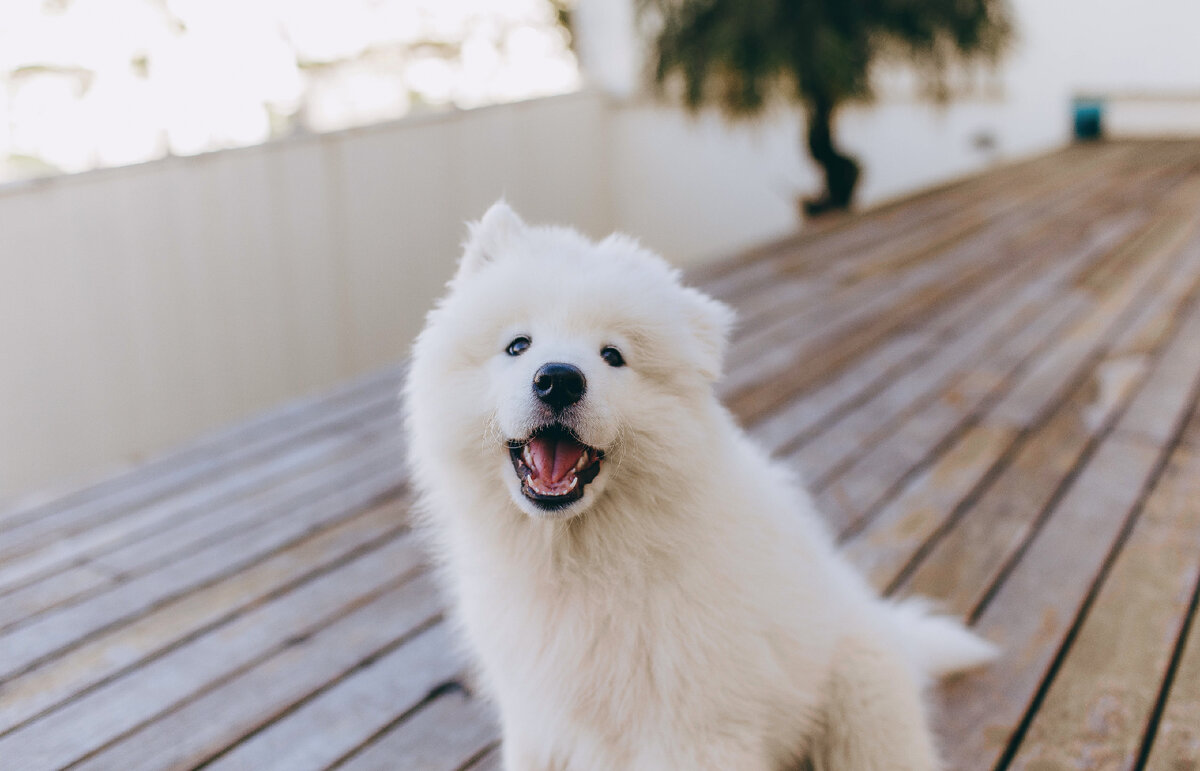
<point x="491" y="237"/>
<point x="711" y="322"/>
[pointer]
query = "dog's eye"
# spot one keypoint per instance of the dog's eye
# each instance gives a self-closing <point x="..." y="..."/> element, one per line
<point x="518" y="346"/>
<point x="612" y="356"/>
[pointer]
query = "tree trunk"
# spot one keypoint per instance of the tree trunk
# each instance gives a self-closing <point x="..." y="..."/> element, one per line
<point x="841" y="171"/>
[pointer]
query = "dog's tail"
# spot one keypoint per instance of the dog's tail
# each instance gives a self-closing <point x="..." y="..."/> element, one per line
<point x="939" y="645"/>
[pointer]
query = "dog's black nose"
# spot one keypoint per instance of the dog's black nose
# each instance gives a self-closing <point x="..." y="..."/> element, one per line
<point x="559" y="384"/>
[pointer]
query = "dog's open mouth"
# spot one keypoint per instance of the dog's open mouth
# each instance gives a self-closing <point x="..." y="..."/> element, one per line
<point x="554" y="466"/>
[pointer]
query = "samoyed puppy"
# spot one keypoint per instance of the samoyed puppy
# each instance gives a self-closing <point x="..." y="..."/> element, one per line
<point x="640" y="586"/>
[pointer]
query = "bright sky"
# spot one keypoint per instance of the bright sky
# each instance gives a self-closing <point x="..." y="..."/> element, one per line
<point x="87" y="83"/>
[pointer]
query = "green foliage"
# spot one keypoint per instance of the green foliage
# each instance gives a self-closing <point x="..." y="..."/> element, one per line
<point x="743" y="54"/>
<point x="739" y="54"/>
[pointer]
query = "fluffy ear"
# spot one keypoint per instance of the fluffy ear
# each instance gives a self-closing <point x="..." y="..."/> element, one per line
<point x="490" y="237"/>
<point x="711" y="322"/>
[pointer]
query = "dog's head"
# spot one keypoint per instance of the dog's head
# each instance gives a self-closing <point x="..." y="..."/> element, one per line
<point x="555" y="366"/>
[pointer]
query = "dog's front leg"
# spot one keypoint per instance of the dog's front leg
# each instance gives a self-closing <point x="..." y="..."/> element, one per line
<point x="874" y="716"/>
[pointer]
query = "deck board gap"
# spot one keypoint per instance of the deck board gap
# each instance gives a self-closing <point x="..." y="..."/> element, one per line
<point x="1097" y="582"/>
<point x="1164" y="692"/>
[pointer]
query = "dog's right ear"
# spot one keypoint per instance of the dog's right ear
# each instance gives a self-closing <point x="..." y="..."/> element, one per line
<point x="494" y="234"/>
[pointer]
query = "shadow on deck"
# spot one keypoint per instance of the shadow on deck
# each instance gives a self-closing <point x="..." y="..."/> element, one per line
<point x="990" y="387"/>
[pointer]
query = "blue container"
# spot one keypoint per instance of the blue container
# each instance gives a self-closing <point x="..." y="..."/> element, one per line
<point x="1089" y="118"/>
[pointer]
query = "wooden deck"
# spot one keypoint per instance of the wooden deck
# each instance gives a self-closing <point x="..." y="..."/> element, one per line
<point x="992" y="388"/>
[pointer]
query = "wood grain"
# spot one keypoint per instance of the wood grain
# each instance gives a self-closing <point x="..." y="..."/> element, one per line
<point x="87" y="724"/>
<point x="989" y="384"/>
<point x="110" y="654"/>
<point x="1105" y="691"/>
<point x="445" y="734"/>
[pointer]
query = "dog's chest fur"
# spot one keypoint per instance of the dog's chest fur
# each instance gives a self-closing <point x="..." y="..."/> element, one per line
<point x="619" y="644"/>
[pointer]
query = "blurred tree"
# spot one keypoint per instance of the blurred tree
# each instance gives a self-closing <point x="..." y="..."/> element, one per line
<point x="741" y="54"/>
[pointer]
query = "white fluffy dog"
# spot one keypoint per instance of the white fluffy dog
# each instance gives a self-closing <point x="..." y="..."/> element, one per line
<point x="639" y="585"/>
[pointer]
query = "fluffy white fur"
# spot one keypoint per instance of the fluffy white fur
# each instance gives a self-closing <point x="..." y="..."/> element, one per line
<point x="690" y="611"/>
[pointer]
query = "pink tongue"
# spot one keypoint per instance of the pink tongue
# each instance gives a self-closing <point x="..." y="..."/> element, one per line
<point x="554" y="457"/>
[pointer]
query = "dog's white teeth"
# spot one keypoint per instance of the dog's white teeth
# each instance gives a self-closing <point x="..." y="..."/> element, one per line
<point x="574" y="484"/>
<point x="583" y="461"/>
<point x="527" y="456"/>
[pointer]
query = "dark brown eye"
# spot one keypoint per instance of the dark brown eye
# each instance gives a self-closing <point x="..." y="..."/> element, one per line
<point x="518" y="346"/>
<point x="612" y="356"/>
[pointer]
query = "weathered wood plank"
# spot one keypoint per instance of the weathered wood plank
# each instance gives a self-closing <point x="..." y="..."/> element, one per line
<point x="908" y="521"/>
<point x="983" y="709"/>
<point x="1068" y="553"/>
<point x="892" y="365"/>
<point x="1176" y="746"/>
<point x="110" y="654"/>
<point x="24" y="646"/>
<point x="897" y="358"/>
<point x="781" y="430"/>
<point x="879" y="472"/>
<point x="184" y="536"/>
<point x="960" y="567"/>
<point x="399" y="626"/>
<point x="340" y="719"/>
<point x="885" y="380"/>
<point x="786" y="368"/>
<point x="1140" y="257"/>
<point x="355" y="591"/>
<point x="1077" y="222"/>
<point x="26" y="602"/>
<point x="831" y="452"/>
<point x="446" y="734"/>
<point x="1103" y="694"/>
<point x="177" y="513"/>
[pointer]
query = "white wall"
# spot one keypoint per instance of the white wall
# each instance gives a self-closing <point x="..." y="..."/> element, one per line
<point x="697" y="188"/>
<point x="1122" y="45"/>
<point x="142" y="305"/>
